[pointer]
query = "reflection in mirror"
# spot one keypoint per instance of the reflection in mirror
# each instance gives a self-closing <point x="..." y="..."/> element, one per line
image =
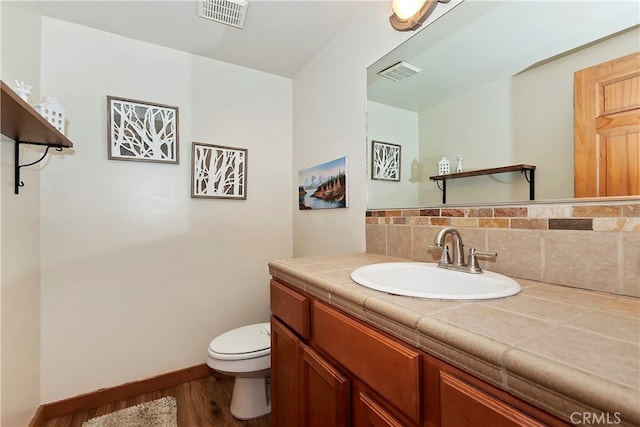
<point x="495" y="86"/>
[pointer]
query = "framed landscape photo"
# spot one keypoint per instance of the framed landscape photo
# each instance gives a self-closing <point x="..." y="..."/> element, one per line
<point x="142" y="131"/>
<point x="218" y="172"/>
<point x="385" y="161"/>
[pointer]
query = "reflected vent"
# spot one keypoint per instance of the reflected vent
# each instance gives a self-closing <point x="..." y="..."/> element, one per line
<point x="230" y="12"/>
<point x="399" y="71"/>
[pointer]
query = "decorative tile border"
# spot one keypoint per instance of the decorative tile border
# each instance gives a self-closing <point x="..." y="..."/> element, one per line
<point x="570" y="224"/>
<point x="593" y="217"/>
<point x="587" y="245"/>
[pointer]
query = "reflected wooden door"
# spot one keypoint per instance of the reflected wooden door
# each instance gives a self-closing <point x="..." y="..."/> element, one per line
<point x="607" y="128"/>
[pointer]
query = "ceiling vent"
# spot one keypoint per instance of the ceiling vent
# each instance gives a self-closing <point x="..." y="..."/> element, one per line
<point x="230" y="12"/>
<point x="399" y="71"/>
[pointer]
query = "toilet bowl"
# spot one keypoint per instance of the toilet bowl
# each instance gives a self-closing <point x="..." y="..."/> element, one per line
<point x="245" y="353"/>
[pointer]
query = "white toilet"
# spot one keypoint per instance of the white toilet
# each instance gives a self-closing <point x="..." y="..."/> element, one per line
<point x="246" y="354"/>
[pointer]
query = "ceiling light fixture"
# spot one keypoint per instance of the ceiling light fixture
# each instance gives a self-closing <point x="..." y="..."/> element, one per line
<point x="410" y="14"/>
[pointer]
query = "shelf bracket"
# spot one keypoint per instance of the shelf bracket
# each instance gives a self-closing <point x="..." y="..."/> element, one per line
<point x="444" y="190"/>
<point x="18" y="182"/>
<point x="531" y="179"/>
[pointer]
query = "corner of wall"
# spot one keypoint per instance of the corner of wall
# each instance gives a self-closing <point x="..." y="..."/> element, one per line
<point x="19" y="231"/>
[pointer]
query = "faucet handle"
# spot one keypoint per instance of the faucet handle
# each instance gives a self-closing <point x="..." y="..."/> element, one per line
<point x="474" y="267"/>
<point x="486" y="254"/>
<point x="444" y="258"/>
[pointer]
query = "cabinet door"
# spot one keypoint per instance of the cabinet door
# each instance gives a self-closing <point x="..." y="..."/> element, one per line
<point x="391" y="369"/>
<point x="286" y="371"/>
<point x="371" y="414"/>
<point x="464" y="405"/>
<point x="326" y="392"/>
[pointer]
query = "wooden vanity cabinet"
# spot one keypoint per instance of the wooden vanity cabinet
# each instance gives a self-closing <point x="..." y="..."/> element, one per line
<point x="368" y="412"/>
<point x="454" y="398"/>
<point x="381" y="365"/>
<point x="462" y="404"/>
<point x="286" y="374"/>
<point x="325" y="392"/>
<point x="330" y="369"/>
<point x="306" y="390"/>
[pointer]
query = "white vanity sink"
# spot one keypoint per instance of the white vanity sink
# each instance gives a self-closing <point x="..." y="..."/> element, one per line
<point x="427" y="280"/>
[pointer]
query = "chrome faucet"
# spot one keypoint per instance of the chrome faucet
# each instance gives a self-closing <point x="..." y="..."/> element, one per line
<point x="458" y="247"/>
<point x="458" y="252"/>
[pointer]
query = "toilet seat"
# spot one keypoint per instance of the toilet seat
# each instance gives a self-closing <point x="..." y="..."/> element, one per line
<point x="246" y="342"/>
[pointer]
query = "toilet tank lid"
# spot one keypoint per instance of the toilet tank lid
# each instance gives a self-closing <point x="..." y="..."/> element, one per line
<point x="246" y="339"/>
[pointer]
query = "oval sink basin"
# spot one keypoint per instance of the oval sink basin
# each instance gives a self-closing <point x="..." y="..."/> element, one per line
<point x="427" y="280"/>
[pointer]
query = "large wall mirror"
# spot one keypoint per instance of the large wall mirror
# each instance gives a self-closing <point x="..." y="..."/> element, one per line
<point x="496" y="86"/>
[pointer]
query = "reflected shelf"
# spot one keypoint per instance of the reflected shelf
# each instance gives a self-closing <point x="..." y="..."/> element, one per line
<point x="527" y="170"/>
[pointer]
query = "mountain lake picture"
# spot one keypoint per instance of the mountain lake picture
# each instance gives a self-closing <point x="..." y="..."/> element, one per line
<point x="323" y="186"/>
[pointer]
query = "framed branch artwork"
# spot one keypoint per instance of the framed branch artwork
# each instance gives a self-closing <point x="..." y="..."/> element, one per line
<point x="385" y="161"/>
<point x="218" y="172"/>
<point x="142" y="131"/>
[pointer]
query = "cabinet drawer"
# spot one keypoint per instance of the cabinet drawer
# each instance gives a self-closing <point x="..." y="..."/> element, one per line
<point x="391" y="369"/>
<point x="291" y="307"/>
<point x="462" y="404"/>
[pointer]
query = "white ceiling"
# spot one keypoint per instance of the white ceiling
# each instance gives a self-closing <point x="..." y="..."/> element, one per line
<point x="278" y="37"/>
<point x="477" y="43"/>
<point x="473" y="44"/>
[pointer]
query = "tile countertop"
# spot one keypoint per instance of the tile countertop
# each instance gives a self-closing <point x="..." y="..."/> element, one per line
<point x="562" y="349"/>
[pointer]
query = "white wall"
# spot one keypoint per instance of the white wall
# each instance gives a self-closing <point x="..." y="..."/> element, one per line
<point x="329" y="121"/>
<point x="395" y="126"/>
<point x="525" y="119"/>
<point x="543" y="113"/>
<point x="477" y="126"/>
<point x="20" y="232"/>
<point x="137" y="277"/>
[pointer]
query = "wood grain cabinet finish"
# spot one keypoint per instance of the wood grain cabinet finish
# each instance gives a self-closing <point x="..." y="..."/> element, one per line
<point x="369" y="413"/>
<point x="391" y="369"/>
<point x="462" y="404"/>
<point x="291" y="307"/>
<point x="326" y="392"/>
<point x="286" y="371"/>
<point x="347" y="373"/>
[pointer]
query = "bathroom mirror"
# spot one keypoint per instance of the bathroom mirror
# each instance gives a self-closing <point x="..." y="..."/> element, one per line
<point x="496" y="87"/>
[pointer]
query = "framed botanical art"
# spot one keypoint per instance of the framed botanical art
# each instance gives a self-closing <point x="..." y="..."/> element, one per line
<point x="218" y="172"/>
<point x="142" y="131"/>
<point x="385" y="161"/>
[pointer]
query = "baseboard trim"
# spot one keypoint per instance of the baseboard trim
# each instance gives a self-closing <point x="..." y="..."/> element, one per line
<point x="104" y="396"/>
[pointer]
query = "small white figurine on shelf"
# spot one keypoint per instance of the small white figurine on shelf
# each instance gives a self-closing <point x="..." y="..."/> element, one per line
<point x="443" y="166"/>
<point x="23" y="89"/>
<point x="51" y="110"/>
<point x="459" y="167"/>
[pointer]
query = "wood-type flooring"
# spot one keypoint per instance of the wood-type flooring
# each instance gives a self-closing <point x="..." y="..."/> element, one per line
<point x="201" y="403"/>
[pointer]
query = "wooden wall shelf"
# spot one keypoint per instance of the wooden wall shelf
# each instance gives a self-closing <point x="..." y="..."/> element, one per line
<point x="24" y="125"/>
<point x="528" y="170"/>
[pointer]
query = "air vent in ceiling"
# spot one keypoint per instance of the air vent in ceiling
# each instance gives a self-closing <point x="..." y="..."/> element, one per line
<point x="230" y="12"/>
<point x="399" y="71"/>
